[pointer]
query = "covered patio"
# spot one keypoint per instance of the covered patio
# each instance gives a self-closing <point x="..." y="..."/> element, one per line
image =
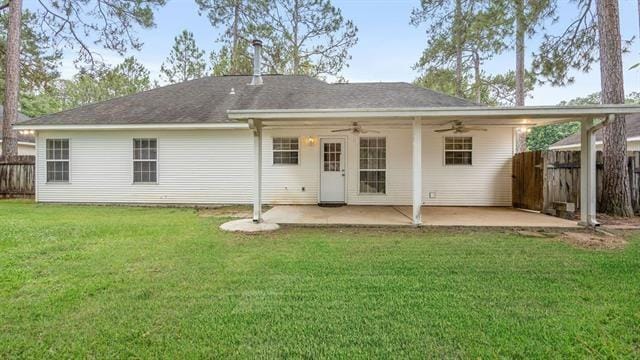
<point x="402" y="216"/>
<point x="591" y="119"/>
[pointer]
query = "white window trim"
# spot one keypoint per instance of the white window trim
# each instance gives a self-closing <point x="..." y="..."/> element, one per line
<point x="46" y="161"/>
<point x="386" y="168"/>
<point x="274" y="151"/>
<point x="133" y="160"/>
<point x="444" y="151"/>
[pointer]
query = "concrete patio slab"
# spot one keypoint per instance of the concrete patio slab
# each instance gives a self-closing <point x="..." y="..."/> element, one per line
<point x="344" y="215"/>
<point x="488" y="216"/>
<point x="401" y="216"/>
<point x="248" y="226"/>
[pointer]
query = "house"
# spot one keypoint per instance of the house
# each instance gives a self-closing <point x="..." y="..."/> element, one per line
<point x="281" y="139"/>
<point x="572" y="142"/>
<point x="26" y="142"/>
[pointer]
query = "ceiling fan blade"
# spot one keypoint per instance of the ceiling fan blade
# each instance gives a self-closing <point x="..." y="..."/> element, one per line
<point x="474" y="128"/>
<point x="443" y="130"/>
<point x="370" y="131"/>
<point x="342" y="130"/>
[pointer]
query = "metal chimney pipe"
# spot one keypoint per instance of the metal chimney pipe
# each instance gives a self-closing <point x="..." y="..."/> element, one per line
<point x="257" y="62"/>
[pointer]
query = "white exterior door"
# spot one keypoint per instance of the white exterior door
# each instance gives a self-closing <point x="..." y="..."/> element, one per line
<point x="332" y="170"/>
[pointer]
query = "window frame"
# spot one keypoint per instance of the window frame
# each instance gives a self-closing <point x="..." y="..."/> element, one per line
<point x="133" y="161"/>
<point x="273" y="151"/>
<point x="444" y="150"/>
<point x="385" y="170"/>
<point x="47" y="161"/>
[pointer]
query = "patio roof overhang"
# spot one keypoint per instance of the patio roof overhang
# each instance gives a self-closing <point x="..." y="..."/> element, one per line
<point x="513" y="116"/>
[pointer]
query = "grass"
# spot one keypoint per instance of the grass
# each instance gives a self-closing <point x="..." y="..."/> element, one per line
<point x="83" y="281"/>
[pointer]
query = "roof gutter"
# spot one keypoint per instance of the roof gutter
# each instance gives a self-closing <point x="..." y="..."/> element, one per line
<point x="532" y="112"/>
<point x="200" y="126"/>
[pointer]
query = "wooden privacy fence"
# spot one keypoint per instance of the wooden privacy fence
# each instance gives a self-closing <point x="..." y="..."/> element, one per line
<point x="542" y="178"/>
<point x="17" y="176"/>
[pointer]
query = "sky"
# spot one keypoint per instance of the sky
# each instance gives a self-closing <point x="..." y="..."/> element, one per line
<point x="388" y="45"/>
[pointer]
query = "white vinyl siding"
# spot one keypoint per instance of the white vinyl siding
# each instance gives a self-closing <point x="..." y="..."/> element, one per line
<point x="216" y="167"/>
<point x="194" y="167"/>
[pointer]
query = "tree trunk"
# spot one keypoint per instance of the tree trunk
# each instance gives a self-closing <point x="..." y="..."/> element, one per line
<point x="477" y="80"/>
<point x="12" y="80"/>
<point x="235" y="40"/>
<point x="457" y="29"/>
<point x="616" y="195"/>
<point x="521" y="134"/>
<point x="295" y="48"/>
<point x="520" y="34"/>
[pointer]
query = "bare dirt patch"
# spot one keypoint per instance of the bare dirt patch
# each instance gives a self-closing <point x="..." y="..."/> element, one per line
<point x="227" y="211"/>
<point x="594" y="240"/>
<point x="618" y="222"/>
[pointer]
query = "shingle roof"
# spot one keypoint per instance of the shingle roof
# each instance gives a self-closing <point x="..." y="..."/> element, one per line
<point x="633" y="130"/>
<point x="206" y="100"/>
<point x="21" y="118"/>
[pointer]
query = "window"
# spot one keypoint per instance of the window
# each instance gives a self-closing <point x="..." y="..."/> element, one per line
<point x="373" y="165"/>
<point x="145" y="160"/>
<point x="57" y="160"/>
<point x="458" y="150"/>
<point x="285" y="151"/>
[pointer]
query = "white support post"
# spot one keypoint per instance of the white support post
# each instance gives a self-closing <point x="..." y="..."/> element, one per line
<point x="587" y="173"/>
<point x="417" y="171"/>
<point x="256" y="125"/>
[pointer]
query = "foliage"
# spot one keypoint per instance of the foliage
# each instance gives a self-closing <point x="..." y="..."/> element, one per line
<point x="222" y="62"/>
<point x="308" y="37"/>
<point x="87" y="87"/>
<point x="494" y="89"/>
<point x="39" y="61"/>
<point x="541" y="137"/>
<point x="82" y="24"/>
<point x="38" y="58"/>
<point x="121" y="282"/>
<point x="575" y="47"/>
<point x="238" y="20"/>
<point x="186" y="61"/>
<point x="462" y="35"/>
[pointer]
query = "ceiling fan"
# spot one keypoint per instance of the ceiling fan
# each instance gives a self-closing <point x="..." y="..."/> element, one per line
<point x="356" y="129"/>
<point x="458" y="127"/>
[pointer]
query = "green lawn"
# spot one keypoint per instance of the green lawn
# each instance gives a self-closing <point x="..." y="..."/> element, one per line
<point x="82" y="281"/>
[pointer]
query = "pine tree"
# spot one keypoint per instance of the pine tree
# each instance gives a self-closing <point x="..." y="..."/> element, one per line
<point x="186" y="61"/>
<point x="75" y="24"/>
<point x="306" y="37"/>
<point x="616" y="194"/>
<point x="461" y="36"/>
<point x="238" y="20"/>
<point x="594" y="34"/>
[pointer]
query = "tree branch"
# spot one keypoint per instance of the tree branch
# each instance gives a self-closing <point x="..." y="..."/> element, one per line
<point x="4" y="6"/>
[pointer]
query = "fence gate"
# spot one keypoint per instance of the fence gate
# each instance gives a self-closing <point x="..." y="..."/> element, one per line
<point x="527" y="180"/>
<point x="541" y="178"/>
